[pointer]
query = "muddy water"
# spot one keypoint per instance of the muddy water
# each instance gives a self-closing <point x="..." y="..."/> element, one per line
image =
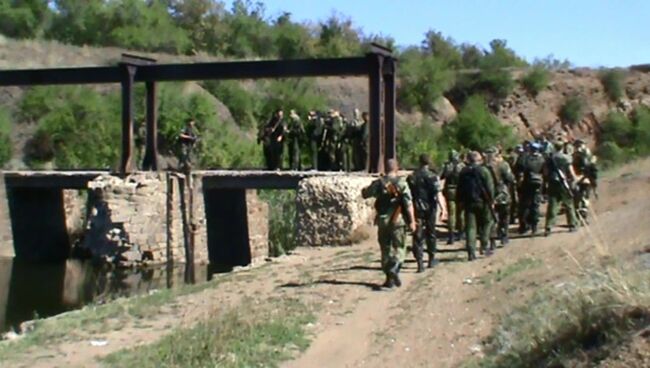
<point x="29" y="291"/>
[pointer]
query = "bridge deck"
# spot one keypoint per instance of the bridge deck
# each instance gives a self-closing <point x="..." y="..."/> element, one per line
<point x="243" y="179"/>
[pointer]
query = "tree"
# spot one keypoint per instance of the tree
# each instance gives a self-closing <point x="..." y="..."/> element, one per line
<point x="338" y="37"/>
<point x="24" y="18"/>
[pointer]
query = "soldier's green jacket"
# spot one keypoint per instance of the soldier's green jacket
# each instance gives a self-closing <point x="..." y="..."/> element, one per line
<point x="558" y="161"/>
<point x="503" y="178"/>
<point x="450" y="173"/>
<point x="294" y="127"/>
<point x="386" y="203"/>
<point x="424" y="185"/>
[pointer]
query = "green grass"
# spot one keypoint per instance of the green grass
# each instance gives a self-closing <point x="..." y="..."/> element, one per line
<point x="575" y="323"/>
<point x="254" y="335"/>
<point x="520" y="265"/>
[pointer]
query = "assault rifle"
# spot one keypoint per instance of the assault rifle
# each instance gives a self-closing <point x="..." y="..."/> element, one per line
<point x="563" y="179"/>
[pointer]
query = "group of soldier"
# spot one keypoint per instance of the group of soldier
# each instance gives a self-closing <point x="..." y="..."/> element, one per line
<point x="484" y="193"/>
<point x="333" y="143"/>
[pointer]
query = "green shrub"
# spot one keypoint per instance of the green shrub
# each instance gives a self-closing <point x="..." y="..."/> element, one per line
<point x="5" y="138"/>
<point x="476" y="128"/>
<point x="617" y="128"/>
<point x="298" y="94"/>
<point x="641" y="132"/>
<point x="282" y="220"/>
<point x="423" y="80"/>
<point x="612" y="81"/>
<point x="536" y="80"/>
<point x="416" y="139"/>
<point x="610" y="153"/>
<point x="573" y="110"/>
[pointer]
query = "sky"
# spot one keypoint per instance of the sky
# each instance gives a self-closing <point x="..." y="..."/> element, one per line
<point x="588" y="33"/>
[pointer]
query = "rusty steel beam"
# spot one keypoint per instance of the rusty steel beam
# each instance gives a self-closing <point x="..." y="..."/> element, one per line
<point x="150" y="160"/>
<point x="390" y="129"/>
<point x="191" y="71"/>
<point x="128" y="73"/>
<point x="255" y="69"/>
<point x="88" y="75"/>
<point x="375" y="151"/>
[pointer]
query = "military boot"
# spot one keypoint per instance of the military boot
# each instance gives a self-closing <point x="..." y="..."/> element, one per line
<point x="420" y="266"/>
<point x="389" y="283"/>
<point x="450" y="239"/>
<point x="393" y="273"/>
<point x="432" y="260"/>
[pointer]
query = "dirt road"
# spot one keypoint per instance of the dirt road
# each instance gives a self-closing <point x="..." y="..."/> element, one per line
<point x="436" y="319"/>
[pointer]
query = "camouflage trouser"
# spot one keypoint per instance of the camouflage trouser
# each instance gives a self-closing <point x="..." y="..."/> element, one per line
<point x="313" y="145"/>
<point x="294" y="154"/>
<point x="478" y="221"/>
<point x="425" y="231"/>
<point x="531" y="197"/>
<point x="392" y="242"/>
<point x="581" y="201"/>
<point x="556" y="198"/>
<point x="500" y="228"/>
<point x="454" y="212"/>
<point x="186" y="157"/>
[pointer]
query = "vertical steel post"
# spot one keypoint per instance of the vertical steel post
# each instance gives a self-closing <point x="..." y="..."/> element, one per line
<point x="375" y="156"/>
<point x="128" y="73"/>
<point x="150" y="161"/>
<point x="389" y="109"/>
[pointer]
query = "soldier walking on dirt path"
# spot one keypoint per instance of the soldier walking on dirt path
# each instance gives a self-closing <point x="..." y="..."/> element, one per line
<point x="425" y="186"/>
<point x="475" y="192"/>
<point x="450" y="172"/>
<point x="560" y="180"/>
<point x="394" y="207"/>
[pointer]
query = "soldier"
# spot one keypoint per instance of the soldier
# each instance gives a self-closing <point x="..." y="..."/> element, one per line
<point x="450" y="172"/>
<point x="394" y="210"/>
<point x="187" y="138"/>
<point x="425" y="186"/>
<point x="295" y="132"/>
<point x="336" y="142"/>
<point x="503" y="180"/>
<point x="584" y="165"/>
<point x="271" y="136"/>
<point x="512" y="159"/>
<point x="559" y="179"/>
<point x="360" y="143"/>
<point x="531" y="169"/>
<point x="475" y="193"/>
<point x="315" y="126"/>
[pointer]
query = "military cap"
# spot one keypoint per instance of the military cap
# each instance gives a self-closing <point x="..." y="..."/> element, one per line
<point x="578" y="142"/>
<point x="490" y="151"/>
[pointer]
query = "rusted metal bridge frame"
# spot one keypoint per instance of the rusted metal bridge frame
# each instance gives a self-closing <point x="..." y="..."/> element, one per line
<point x="378" y="65"/>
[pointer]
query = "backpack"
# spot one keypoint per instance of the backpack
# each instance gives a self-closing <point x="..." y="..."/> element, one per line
<point x="471" y="185"/>
<point x="452" y="170"/>
<point x="423" y="189"/>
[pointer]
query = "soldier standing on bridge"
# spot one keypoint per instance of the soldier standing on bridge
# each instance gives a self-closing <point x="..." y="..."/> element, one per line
<point x="271" y="135"/>
<point x="295" y="134"/>
<point x="394" y="210"/>
<point x="187" y="139"/>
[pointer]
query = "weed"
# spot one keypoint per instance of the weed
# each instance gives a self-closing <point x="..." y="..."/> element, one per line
<point x="248" y="336"/>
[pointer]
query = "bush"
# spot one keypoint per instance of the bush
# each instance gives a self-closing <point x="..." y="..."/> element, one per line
<point x="298" y="94"/>
<point x="572" y="110"/>
<point x="5" y="139"/>
<point x="536" y="80"/>
<point x="622" y="139"/>
<point x="424" y="79"/>
<point x="558" y="326"/>
<point x="617" y="128"/>
<point x="476" y="128"/>
<point x="416" y="139"/>
<point x="282" y="220"/>
<point x="611" y="154"/>
<point x="612" y="81"/>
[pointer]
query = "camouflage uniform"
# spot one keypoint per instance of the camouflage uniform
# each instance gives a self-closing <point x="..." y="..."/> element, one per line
<point x="295" y="132"/>
<point x="336" y="141"/>
<point x="271" y="136"/>
<point x="584" y="165"/>
<point x="393" y="199"/>
<point x="425" y="186"/>
<point x="532" y="180"/>
<point x="450" y="172"/>
<point x="315" y="128"/>
<point x="360" y="144"/>
<point x="472" y="180"/>
<point x="503" y="180"/>
<point x="559" y="193"/>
